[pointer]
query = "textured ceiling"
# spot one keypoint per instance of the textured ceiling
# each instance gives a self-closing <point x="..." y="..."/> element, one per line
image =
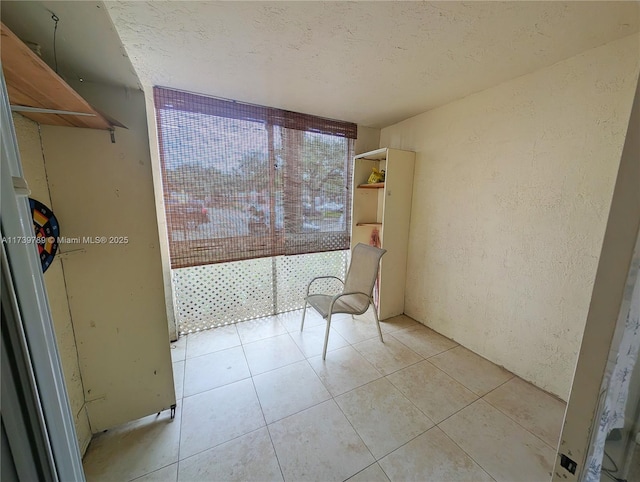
<point x="373" y="63"/>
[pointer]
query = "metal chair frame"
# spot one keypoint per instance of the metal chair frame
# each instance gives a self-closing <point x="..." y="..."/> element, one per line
<point x="337" y="297"/>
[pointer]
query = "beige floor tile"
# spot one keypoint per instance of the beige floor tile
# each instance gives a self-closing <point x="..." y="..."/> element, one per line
<point x="178" y="349"/>
<point x="166" y="474"/>
<point x="212" y="340"/>
<point x="502" y="447"/>
<point x="319" y="444"/>
<point x="271" y="353"/>
<point x="219" y="432"/>
<point x="288" y="390"/>
<point x="343" y="370"/>
<point x="474" y="372"/>
<point x="259" y="329"/>
<point x="400" y="322"/>
<point x="178" y="378"/>
<point x="134" y="449"/>
<point x="382" y="416"/>
<point x="355" y="330"/>
<point x="431" y="390"/>
<point x="424" y="341"/>
<point x="387" y="357"/>
<point x="291" y="320"/>
<point x="373" y="473"/>
<point x="214" y="370"/>
<point x="247" y="458"/>
<point x="219" y="415"/>
<point x="433" y="457"/>
<point x="535" y="410"/>
<point x="311" y="340"/>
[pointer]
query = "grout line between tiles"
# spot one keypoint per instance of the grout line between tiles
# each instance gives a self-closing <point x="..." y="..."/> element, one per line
<point x="181" y="425"/>
<point x="457" y="445"/>
<point x="152" y="472"/>
<point x="306" y="408"/>
<point x="406" y="346"/>
<point x="264" y="418"/>
<point x="458" y="411"/>
<point x="275" y="452"/>
<point x="383" y="471"/>
<point x="443" y="351"/>
<point x="359" y="472"/>
<point x="332" y="397"/>
<point x="355" y="431"/>
<point x="219" y="444"/>
<point x="407" y="442"/>
<point x="555" y="449"/>
<point x="211" y="352"/>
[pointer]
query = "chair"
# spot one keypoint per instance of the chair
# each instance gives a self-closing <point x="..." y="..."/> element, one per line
<point x="356" y="295"/>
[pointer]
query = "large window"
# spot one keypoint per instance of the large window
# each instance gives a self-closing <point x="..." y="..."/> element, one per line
<point x="243" y="181"/>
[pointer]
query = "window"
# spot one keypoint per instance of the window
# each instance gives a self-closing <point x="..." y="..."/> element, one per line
<point x="243" y="181"/>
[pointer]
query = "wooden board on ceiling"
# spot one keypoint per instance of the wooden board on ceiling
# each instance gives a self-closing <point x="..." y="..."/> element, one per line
<point x="32" y="83"/>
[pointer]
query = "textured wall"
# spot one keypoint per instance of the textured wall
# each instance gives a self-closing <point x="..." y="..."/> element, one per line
<point x="511" y="196"/>
<point x="116" y="294"/>
<point x="33" y="164"/>
<point x="368" y="139"/>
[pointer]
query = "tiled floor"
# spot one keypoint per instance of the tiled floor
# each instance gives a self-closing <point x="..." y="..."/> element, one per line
<point x="257" y="402"/>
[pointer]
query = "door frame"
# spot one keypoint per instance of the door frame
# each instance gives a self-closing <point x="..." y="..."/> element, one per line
<point x="32" y="349"/>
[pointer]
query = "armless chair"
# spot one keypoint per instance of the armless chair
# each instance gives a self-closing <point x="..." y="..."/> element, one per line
<point x="356" y="296"/>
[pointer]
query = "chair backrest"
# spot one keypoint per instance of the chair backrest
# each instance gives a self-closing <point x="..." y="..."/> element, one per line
<point x="363" y="269"/>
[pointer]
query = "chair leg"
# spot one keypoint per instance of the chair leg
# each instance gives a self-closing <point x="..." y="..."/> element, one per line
<point x="375" y="314"/>
<point x="304" y="312"/>
<point x="326" y="337"/>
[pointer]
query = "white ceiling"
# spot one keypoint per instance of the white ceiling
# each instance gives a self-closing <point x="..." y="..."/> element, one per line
<point x="373" y="63"/>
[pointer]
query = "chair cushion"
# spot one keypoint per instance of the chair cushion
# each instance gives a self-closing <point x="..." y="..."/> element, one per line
<point x="352" y="304"/>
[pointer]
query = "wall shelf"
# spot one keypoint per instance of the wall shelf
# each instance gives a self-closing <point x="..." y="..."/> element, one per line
<point x="376" y="185"/>
<point x="32" y="83"/>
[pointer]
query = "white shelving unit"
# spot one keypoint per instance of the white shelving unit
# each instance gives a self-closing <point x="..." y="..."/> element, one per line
<point x="387" y="207"/>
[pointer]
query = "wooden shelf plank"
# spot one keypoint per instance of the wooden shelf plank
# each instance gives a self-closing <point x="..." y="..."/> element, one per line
<point x="369" y="224"/>
<point x="376" y="185"/>
<point x="32" y="83"/>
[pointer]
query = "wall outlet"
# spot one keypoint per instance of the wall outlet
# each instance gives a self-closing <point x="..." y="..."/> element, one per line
<point x="568" y="464"/>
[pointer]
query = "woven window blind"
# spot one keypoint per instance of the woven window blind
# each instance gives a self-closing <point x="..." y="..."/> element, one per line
<point x="245" y="181"/>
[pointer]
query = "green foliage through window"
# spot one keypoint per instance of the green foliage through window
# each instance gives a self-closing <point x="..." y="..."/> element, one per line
<point x="244" y="181"/>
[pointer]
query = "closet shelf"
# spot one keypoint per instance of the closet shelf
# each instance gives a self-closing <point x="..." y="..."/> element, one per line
<point x="377" y="185"/>
<point x="35" y="88"/>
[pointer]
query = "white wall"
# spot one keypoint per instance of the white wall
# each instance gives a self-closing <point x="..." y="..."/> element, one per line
<point x="368" y="139"/>
<point x="116" y="294"/>
<point x="33" y="164"/>
<point x="161" y="216"/>
<point x="511" y="194"/>
<point x="610" y="302"/>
